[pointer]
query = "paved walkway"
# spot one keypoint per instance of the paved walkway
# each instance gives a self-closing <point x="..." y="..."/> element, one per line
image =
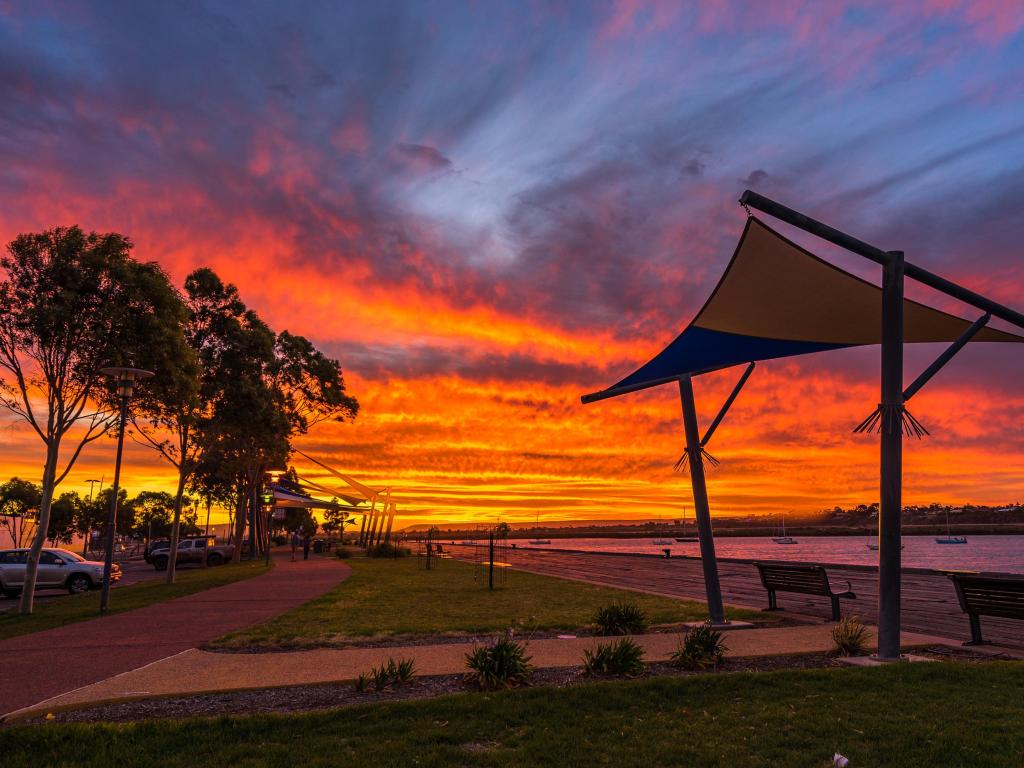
<point x="196" y="671"/>
<point x="45" y="664"/>
<point x="928" y="599"/>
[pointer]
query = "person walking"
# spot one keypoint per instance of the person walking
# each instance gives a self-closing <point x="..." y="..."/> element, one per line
<point x="306" y="541"/>
<point x="295" y="544"/>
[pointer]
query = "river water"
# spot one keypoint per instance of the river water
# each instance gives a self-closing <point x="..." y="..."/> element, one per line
<point x="981" y="553"/>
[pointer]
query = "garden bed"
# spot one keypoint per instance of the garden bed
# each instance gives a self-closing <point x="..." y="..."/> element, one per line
<point x="337" y="695"/>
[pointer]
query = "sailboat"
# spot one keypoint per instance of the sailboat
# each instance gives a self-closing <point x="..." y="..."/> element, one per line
<point x="684" y="537"/>
<point x="784" y="539"/>
<point x="537" y="525"/>
<point x="949" y="539"/>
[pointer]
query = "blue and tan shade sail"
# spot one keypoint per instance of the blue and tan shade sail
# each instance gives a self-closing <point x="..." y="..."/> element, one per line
<point x="776" y="300"/>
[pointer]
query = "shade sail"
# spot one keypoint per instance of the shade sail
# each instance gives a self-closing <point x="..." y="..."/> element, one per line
<point x="777" y="299"/>
<point x="286" y="499"/>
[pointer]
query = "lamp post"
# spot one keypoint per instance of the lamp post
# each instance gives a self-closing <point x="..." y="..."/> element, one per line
<point x="275" y="475"/>
<point x="125" y="379"/>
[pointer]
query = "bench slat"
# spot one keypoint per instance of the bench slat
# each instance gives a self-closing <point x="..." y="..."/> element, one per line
<point x="990" y="596"/>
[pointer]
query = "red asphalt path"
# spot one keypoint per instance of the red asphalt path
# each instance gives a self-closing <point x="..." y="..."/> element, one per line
<point x="38" y="666"/>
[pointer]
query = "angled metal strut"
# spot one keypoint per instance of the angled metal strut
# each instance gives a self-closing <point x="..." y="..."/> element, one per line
<point x="890" y="415"/>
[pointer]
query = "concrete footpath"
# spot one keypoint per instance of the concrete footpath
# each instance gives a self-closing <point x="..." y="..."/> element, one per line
<point x="194" y="671"/>
<point x="44" y="664"/>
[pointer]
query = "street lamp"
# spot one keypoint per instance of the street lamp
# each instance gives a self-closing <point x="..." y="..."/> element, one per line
<point x="124" y="379"/>
<point x="270" y="499"/>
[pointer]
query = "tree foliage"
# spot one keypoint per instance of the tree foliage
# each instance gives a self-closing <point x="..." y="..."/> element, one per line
<point x="228" y="396"/>
<point x="70" y="304"/>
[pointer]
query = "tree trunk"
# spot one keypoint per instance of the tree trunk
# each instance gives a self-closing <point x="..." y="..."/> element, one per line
<point x="172" y="550"/>
<point x="32" y="565"/>
<point x="236" y="556"/>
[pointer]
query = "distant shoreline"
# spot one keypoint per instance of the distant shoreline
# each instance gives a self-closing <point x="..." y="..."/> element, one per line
<point x="965" y="529"/>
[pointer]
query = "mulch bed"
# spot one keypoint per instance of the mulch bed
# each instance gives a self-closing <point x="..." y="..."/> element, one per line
<point x="392" y="641"/>
<point x="334" y="695"/>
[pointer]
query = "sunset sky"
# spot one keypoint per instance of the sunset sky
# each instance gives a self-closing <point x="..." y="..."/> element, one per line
<point x="487" y="209"/>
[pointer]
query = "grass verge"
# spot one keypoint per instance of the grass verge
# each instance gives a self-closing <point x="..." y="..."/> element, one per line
<point x="74" y="608"/>
<point x="385" y="598"/>
<point x="899" y="716"/>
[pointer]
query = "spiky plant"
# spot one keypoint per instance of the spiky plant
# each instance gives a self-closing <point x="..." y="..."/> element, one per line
<point x="701" y="647"/>
<point x="620" y="657"/>
<point x="501" y="664"/>
<point x="850" y="636"/>
<point x="620" y="619"/>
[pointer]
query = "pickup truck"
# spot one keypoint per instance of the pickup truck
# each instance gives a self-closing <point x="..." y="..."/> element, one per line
<point x="192" y="549"/>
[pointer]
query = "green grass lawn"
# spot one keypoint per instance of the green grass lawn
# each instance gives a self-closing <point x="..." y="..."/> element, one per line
<point x="901" y="716"/>
<point x="398" y="597"/>
<point x="71" y="608"/>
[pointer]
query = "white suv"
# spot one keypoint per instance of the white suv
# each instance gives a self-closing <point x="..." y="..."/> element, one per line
<point x="58" y="569"/>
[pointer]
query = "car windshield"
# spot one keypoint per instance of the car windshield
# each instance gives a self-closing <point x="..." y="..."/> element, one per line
<point x="70" y="555"/>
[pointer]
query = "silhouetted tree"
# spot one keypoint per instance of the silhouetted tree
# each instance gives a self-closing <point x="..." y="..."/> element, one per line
<point x="70" y="304"/>
<point x="19" y="503"/>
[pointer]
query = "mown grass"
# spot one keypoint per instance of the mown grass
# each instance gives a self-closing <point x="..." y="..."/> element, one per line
<point x="400" y="598"/>
<point x="900" y="716"/>
<point x="73" y="608"/>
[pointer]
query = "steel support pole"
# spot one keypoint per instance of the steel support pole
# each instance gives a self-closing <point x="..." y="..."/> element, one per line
<point x="891" y="470"/>
<point x="700" y="503"/>
<point x="362" y="530"/>
<point x="108" y="557"/>
<point x="368" y="524"/>
<point x="391" y="520"/>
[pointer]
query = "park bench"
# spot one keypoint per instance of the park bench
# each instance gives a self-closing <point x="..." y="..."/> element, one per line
<point x="805" y="579"/>
<point x="982" y="595"/>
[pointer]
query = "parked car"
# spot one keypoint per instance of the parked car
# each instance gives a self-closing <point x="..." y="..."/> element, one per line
<point x="191" y="549"/>
<point x="58" y="569"/>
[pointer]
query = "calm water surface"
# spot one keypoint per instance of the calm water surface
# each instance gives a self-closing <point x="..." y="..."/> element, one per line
<point x="980" y="553"/>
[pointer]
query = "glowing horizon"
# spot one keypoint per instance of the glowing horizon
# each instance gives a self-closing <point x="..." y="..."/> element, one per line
<point x="480" y="245"/>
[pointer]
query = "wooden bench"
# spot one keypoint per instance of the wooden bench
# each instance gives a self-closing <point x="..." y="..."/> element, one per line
<point x="805" y="579"/>
<point x="981" y="595"/>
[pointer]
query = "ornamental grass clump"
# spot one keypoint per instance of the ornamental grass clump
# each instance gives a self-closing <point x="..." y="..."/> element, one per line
<point x="621" y="657"/>
<point x="501" y="664"/>
<point x="701" y="647"/>
<point x="850" y="636"/>
<point x="387" y="675"/>
<point x="620" y="619"/>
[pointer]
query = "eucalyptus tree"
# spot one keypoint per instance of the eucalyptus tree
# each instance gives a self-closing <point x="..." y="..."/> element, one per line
<point x="168" y="419"/>
<point x="70" y="304"/>
<point x="19" y="503"/>
<point x="63" y="517"/>
<point x="261" y="389"/>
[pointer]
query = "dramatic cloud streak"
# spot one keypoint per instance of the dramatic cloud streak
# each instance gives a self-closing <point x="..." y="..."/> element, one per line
<point x="486" y="209"/>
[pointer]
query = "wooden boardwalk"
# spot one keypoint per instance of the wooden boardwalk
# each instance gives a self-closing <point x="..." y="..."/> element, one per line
<point x="928" y="599"/>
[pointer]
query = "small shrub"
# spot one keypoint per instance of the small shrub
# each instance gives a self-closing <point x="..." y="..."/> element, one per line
<point x="502" y="664"/>
<point x="386" y="549"/>
<point x="850" y="636"/>
<point x="342" y="553"/>
<point x="621" y="657"/>
<point x="620" y="619"/>
<point x="381" y="677"/>
<point x="405" y="670"/>
<point x="386" y="675"/>
<point x="701" y="647"/>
